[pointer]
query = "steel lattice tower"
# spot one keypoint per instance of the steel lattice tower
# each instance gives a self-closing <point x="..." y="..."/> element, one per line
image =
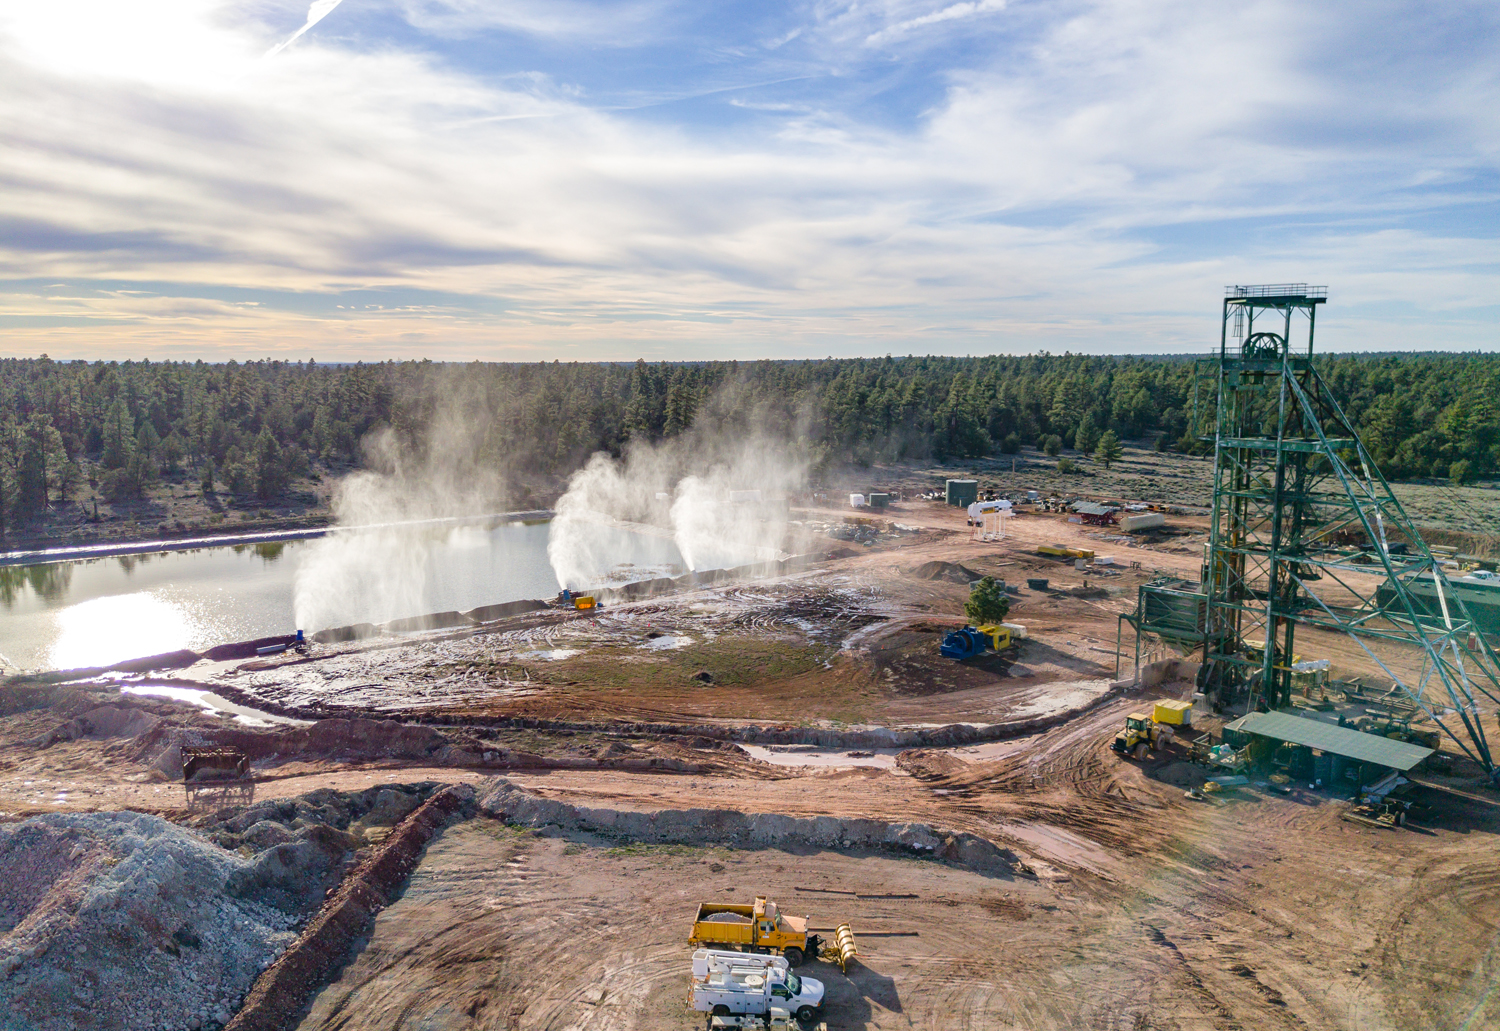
<point x="1306" y="533"/>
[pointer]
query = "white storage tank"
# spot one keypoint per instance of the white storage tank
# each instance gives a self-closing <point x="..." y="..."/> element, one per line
<point x="1142" y="521"/>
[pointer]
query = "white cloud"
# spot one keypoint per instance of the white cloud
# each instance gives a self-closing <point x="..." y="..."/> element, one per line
<point x="615" y="24"/>
<point x="1032" y="205"/>
<point x="953" y="12"/>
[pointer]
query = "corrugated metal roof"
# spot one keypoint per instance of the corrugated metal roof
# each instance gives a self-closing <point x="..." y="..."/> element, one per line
<point x="1090" y="508"/>
<point x="1351" y="744"/>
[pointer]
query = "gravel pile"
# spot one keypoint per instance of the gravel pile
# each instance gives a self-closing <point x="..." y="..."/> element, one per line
<point x="125" y="922"/>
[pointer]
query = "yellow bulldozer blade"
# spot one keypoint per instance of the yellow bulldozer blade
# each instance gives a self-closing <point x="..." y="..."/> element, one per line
<point x="842" y="950"/>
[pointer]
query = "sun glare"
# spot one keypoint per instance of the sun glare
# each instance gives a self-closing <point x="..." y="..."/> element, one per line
<point x="171" y="42"/>
<point x="124" y="626"/>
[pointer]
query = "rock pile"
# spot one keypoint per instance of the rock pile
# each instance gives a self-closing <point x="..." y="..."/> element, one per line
<point x="123" y="921"/>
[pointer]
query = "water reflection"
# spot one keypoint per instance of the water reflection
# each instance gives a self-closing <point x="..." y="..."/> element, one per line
<point x="48" y="582"/>
<point x="101" y="631"/>
<point x="103" y="610"/>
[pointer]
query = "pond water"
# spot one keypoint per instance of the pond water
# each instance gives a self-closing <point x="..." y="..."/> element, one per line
<point x="91" y="612"/>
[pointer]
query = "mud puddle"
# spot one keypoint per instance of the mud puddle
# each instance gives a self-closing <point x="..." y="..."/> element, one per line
<point x="210" y="702"/>
<point x="809" y="755"/>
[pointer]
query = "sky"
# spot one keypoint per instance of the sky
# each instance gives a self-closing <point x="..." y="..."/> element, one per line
<point x="579" y="180"/>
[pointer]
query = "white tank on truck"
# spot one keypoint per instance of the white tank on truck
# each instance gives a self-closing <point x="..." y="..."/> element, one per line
<point x="728" y="983"/>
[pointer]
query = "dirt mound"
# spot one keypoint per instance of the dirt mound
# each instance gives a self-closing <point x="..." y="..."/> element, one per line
<point x="348" y="739"/>
<point x="927" y="764"/>
<point x="104" y="722"/>
<point x="282" y="819"/>
<point x="952" y="572"/>
<point x="124" y="921"/>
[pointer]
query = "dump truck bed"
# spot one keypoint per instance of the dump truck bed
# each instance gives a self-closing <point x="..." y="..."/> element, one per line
<point x="724" y="923"/>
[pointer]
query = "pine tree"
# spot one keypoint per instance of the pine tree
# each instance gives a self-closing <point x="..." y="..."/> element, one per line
<point x="1109" y="449"/>
<point x="119" y="436"/>
<point x="1087" y="436"/>
<point x="987" y="603"/>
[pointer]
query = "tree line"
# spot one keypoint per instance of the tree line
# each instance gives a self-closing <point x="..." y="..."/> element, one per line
<point x="254" y="428"/>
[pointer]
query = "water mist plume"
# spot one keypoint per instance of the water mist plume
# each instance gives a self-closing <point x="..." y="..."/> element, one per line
<point x="372" y="569"/>
<point x="694" y="488"/>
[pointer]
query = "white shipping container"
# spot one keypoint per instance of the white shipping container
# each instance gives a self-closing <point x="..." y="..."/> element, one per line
<point x="1142" y="521"/>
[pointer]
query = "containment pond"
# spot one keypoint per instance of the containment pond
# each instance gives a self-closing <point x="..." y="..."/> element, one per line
<point x="64" y="615"/>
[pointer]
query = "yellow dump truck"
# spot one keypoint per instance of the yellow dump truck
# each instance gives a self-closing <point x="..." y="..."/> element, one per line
<point x="760" y="927"/>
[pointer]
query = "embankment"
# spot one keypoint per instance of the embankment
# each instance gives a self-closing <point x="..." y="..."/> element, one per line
<point x="286" y="987"/>
<point x="505" y="801"/>
<point x="949" y="735"/>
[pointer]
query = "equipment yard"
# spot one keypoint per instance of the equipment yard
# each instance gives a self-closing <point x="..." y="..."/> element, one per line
<point x="513" y="824"/>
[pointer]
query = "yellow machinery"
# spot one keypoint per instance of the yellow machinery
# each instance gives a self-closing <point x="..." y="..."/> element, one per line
<point x="583" y="602"/>
<point x="760" y="927"/>
<point x="1058" y="551"/>
<point x="999" y="635"/>
<point x="1173" y="714"/>
<point x="1141" y="734"/>
<point x="841" y="950"/>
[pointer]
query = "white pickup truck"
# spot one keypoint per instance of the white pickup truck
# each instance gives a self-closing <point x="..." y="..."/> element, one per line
<point x="726" y="983"/>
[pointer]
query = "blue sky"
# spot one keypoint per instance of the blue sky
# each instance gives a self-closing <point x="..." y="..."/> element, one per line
<point x="459" y="179"/>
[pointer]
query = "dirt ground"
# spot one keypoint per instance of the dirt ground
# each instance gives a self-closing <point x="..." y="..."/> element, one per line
<point x="1130" y="906"/>
<point x="1260" y="914"/>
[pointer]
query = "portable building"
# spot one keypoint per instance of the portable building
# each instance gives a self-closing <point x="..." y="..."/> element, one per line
<point x="963" y="493"/>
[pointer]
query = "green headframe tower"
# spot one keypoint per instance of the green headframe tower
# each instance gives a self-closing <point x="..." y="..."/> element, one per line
<point x="1306" y="535"/>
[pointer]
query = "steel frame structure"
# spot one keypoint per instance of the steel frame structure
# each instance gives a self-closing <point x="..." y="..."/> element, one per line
<point x="1301" y="520"/>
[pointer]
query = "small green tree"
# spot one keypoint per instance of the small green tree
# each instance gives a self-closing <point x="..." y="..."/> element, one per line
<point x="1109" y="449"/>
<point x="1053" y="445"/>
<point x="987" y="603"/>
<point x="1086" y="436"/>
<point x="1458" y="472"/>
